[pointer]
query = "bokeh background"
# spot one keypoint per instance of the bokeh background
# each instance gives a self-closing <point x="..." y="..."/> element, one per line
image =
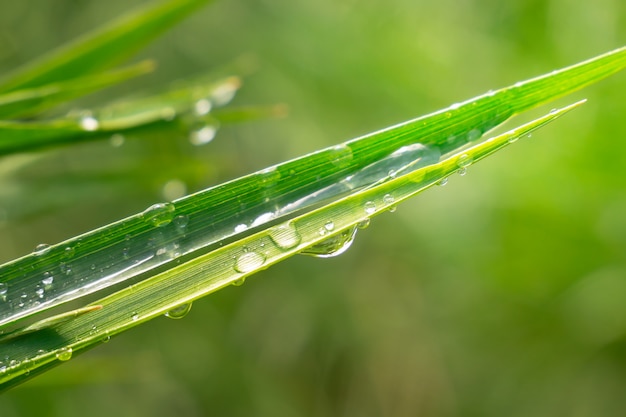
<point x="501" y="294"/>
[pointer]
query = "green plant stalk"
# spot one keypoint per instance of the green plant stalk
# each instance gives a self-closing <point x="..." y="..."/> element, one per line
<point x="37" y="351"/>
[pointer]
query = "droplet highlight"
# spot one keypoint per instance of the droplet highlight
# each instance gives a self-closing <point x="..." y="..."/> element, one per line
<point x="249" y="261"/>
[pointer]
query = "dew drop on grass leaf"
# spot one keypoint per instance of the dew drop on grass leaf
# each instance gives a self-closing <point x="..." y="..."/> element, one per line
<point x="370" y="207"/>
<point x="42" y="249"/>
<point x="179" y="312"/>
<point x="442" y="182"/>
<point x="363" y="224"/>
<point x="248" y="262"/>
<point x="333" y="246"/>
<point x="464" y="161"/>
<point x="285" y="236"/>
<point x="239" y="282"/>
<point x="64" y="354"/>
<point x="160" y="214"/>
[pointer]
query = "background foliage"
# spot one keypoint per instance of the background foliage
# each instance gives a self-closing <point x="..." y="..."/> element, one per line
<point x="499" y="294"/>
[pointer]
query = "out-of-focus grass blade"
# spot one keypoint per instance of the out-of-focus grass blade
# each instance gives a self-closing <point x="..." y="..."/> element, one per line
<point x="36" y="351"/>
<point x="189" y="105"/>
<point x="28" y="102"/>
<point x="102" y="48"/>
<point x="168" y="233"/>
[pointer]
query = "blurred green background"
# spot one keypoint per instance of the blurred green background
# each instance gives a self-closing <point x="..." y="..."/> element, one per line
<point x="501" y="294"/>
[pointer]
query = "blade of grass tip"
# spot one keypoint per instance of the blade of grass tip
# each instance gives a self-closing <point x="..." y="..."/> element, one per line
<point x="103" y="47"/>
<point x="167" y="233"/>
<point x="28" y="102"/>
<point x="235" y="261"/>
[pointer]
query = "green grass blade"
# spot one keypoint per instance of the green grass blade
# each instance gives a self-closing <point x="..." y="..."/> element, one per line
<point x="168" y="233"/>
<point x="174" y="109"/>
<point x="58" y="338"/>
<point x="28" y="102"/>
<point x="102" y="48"/>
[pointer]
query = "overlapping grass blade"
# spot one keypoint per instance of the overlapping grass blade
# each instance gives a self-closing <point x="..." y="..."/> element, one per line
<point x="102" y="48"/>
<point x="167" y="233"/>
<point x="54" y="340"/>
<point x="166" y="110"/>
<point x="28" y="102"/>
<point x="176" y="252"/>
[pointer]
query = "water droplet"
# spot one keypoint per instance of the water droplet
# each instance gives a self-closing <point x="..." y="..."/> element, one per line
<point x="340" y="155"/>
<point x="285" y="236"/>
<point x="442" y="182"/>
<point x="106" y="337"/>
<point x="249" y="261"/>
<point x="333" y="246"/>
<point x="370" y="207"/>
<point x="179" y="312"/>
<point x="64" y="354"/>
<point x="530" y="135"/>
<point x="464" y="161"/>
<point x="363" y="224"/>
<point x="69" y="252"/>
<point x="203" y="135"/>
<point x="513" y="139"/>
<point x="160" y="214"/>
<point x="268" y="177"/>
<point x="134" y="316"/>
<point x="239" y="282"/>
<point x="202" y="107"/>
<point x="329" y="225"/>
<point x="41" y="249"/>
<point x="89" y="123"/>
<point x="388" y="199"/>
<point x="462" y="171"/>
<point x="39" y="291"/>
<point x="117" y="140"/>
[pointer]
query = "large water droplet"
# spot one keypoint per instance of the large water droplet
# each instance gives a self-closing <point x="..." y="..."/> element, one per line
<point x="285" y="236"/>
<point x="47" y="280"/>
<point x="249" y="261"/>
<point x="179" y="312"/>
<point x="160" y="214"/>
<point x="370" y="207"/>
<point x="64" y="354"/>
<point x="333" y="246"/>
